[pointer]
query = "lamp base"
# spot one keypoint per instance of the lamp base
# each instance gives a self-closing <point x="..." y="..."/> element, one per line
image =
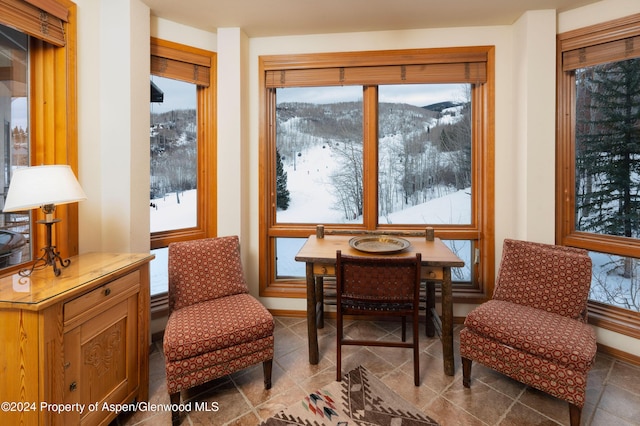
<point x="51" y="256"/>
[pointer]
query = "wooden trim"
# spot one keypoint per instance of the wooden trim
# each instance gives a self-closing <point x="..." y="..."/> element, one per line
<point x="482" y="226"/>
<point x="54" y="134"/>
<point x="601" y="315"/>
<point x="375" y="58"/>
<point x="54" y="128"/>
<point x="619" y="355"/>
<point x="207" y="150"/>
<point x="603" y="32"/>
<point x="181" y="62"/>
<point x="613" y="318"/>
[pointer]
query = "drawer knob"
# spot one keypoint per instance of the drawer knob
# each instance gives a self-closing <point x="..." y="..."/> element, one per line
<point x="73" y="386"/>
<point x="107" y="291"/>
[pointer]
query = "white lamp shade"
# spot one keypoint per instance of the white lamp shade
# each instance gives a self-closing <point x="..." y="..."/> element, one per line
<point x="33" y="187"/>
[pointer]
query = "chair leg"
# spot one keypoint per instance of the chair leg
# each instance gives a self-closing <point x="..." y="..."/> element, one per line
<point x="416" y="352"/>
<point x="466" y="372"/>
<point x="404" y="329"/>
<point x="175" y="413"/>
<point x="266" y="369"/>
<point x="575" y="413"/>
<point x="339" y="347"/>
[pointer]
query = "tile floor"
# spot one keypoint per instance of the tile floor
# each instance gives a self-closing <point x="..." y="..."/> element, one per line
<point x="613" y="388"/>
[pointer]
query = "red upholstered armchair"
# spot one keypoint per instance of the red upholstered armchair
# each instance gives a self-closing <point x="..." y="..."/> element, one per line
<point x="215" y="326"/>
<point x="534" y="329"/>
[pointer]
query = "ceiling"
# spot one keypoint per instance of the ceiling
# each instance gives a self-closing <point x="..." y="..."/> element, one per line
<point x="263" y="18"/>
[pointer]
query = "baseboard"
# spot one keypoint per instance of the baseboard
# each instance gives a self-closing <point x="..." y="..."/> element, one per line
<point x="607" y="350"/>
<point x="618" y="354"/>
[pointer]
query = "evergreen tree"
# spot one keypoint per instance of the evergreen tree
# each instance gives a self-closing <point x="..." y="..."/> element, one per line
<point x="608" y="149"/>
<point x="282" y="193"/>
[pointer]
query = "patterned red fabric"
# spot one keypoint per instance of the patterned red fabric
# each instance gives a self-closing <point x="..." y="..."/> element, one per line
<point x="215" y="324"/>
<point x="534" y="330"/>
<point x="552" y="278"/>
<point x="187" y="373"/>
<point x="564" y="341"/>
<point x="543" y="374"/>
<point x="204" y="269"/>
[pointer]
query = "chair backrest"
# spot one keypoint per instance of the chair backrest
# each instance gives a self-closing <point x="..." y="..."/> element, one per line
<point x="552" y="278"/>
<point x="205" y="269"/>
<point x="378" y="283"/>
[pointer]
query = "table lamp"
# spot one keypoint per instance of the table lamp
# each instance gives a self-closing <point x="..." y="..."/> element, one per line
<point x="44" y="187"/>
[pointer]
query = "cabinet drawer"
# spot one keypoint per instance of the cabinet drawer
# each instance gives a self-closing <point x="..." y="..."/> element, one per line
<point x="101" y="298"/>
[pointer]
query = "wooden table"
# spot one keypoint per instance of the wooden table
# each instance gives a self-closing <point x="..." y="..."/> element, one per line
<point x="319" y="254"/>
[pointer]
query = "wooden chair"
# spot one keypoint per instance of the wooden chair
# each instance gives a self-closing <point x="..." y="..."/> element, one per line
<point x="377" y="286"/>
<point x="215" y="326"/>
<point x="534" y="329"/>
<point x="325" y="287"/>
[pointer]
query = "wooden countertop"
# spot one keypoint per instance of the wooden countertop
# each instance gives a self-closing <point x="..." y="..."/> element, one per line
<point x="43" y="288"/>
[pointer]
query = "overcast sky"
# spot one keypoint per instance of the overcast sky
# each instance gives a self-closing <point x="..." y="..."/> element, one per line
<point x="413" y="94"/>
<point x="177" y="95"/>
<point x="180" y="95"/>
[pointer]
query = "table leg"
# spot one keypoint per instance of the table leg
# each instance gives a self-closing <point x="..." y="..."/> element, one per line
<point x="312" y="331"/>
<point x="447" y="323"/>
<point x="319" y="301"/>
<point x="430" y="306"/>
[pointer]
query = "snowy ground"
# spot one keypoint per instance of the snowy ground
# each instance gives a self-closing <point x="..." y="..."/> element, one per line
<point x="311" y="171"/>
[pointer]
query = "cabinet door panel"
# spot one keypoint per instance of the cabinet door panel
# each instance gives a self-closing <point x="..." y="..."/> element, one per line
<point x="101" y="353"/>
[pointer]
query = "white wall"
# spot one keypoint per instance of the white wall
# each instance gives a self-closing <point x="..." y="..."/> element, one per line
<point x="534" y="71"/>
<point x="113" y="127"/>
<point x="114" y="112"/>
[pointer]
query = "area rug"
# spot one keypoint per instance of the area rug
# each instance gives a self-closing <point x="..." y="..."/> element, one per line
<point x="359" y="399"/>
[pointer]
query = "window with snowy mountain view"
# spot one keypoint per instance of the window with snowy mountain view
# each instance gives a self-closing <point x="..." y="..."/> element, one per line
<point x="392" y="147"/>
<point x="182" y="142"/>
<point x="608" y="173"/>
<point x="424" y="164"/>
<point x="598" y="187"/>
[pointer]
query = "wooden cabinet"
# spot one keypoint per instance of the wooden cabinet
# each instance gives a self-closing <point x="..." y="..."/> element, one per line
<point x="76" y="345"/>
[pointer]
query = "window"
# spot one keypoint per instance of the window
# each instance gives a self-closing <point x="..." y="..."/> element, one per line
<point x="15" y="233"/>
<point x="37" y="40"/>
<point x="377" y="141"/>
<point x="182" y="198"/>
<point x="599" y="161"/>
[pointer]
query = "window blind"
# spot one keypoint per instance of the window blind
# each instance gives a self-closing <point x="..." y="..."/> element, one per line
<point x="598" y="44"/>
<point x="345" y="69"/>
<point x="170" y="62"/>
<point x="43" y="19"/>
<point x="618" y="50"/>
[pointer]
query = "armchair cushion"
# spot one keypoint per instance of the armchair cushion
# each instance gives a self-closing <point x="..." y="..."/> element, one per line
<point x="565" y="341"/>
<point x="233" y="323"/>
<point x="534" y="275"/>
<point x="206" y="269"/>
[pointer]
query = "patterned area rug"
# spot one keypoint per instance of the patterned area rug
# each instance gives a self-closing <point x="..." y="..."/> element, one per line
<point x="359" y="399"/>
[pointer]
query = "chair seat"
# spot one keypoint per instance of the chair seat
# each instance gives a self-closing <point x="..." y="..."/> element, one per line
<point x="215" y="324"/>
<point x="566" y="341"/>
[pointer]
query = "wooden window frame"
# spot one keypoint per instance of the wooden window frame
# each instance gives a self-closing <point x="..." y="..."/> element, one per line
<point x="53" y="133"/>
<point x="186" y="63"/>
<point x="323" y="66"/>
<point x="585" y="47"/>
